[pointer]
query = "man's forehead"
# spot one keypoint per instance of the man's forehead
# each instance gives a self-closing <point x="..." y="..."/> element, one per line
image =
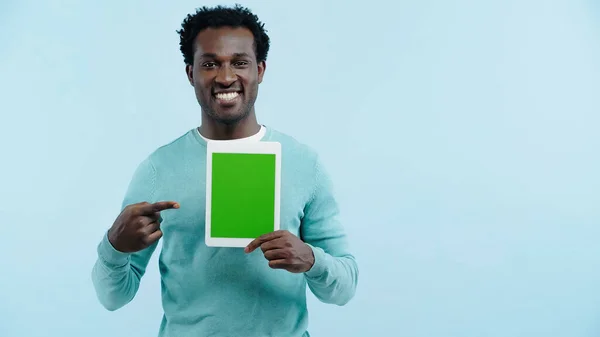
<point x="225" y="41"/>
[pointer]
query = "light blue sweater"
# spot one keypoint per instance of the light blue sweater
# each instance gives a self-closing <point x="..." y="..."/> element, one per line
<point x="210" y="291"/>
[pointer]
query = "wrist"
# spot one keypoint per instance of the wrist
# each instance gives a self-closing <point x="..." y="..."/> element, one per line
<point x="112" y="240"/>
<point x="319" y="264"/>
<point x="108" y="252"/>
<point x="308" y="259"/>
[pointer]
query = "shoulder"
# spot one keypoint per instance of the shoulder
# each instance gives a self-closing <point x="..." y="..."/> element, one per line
<point x="303" y="164"/>
<point x="173" y="150"/>
<point x="292" y="148"/>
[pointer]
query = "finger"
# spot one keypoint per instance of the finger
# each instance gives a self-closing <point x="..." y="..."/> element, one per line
<point x="152" y="238"/>
<point x="157" y="207"/>
<point x="278" y="243"/>
<point x="141" y="221"/>
<point x="150" y="228"/>
<point x="277" y="254"/>
<point x="279" y="264"/>
<point x="155" y="217"/>
<point x="262" y="239"/>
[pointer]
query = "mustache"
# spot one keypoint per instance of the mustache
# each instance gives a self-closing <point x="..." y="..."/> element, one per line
<point x="220" y="90"/>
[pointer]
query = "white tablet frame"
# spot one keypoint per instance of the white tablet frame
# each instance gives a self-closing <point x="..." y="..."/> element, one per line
<point x="257" y="147"/>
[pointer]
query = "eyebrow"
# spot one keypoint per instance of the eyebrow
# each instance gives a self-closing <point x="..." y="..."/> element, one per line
<point x="213" y="55"/>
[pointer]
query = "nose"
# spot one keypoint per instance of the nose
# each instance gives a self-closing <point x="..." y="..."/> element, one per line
<point x="226" y="76"/>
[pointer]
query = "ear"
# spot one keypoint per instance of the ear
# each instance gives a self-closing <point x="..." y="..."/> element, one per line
<point x="189" y="71"/>
<point x="262" y="66"/>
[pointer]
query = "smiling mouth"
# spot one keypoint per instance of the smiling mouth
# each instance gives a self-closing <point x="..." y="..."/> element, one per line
<point x="227" y="96"/>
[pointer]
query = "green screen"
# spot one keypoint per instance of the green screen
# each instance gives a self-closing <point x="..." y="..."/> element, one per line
<point x="243" y="195"/>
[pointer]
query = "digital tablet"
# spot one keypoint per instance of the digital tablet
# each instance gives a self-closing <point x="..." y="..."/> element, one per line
<point x="243" y="182"/>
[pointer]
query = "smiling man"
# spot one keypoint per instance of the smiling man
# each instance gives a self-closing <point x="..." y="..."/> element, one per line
<point x="207" y="291"/>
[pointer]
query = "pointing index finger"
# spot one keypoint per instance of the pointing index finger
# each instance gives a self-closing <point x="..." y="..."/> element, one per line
<point x="158" y="207"/>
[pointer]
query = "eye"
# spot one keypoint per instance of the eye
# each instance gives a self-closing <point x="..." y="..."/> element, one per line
<point x="209" y="65"/>
<point x="240" y="63"/>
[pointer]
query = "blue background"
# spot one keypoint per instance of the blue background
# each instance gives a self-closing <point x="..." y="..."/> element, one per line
<point x="463" y="138"/>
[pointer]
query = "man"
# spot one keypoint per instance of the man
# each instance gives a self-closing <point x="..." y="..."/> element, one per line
<point x="208" y="291"/>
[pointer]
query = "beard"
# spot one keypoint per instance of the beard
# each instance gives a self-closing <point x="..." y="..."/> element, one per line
<point x="227" y="115"/>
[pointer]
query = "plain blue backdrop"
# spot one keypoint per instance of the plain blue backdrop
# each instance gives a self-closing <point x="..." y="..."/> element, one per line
<point x="463" y="138"/>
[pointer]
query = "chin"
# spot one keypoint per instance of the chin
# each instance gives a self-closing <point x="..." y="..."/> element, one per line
<point x="230" y="118"/>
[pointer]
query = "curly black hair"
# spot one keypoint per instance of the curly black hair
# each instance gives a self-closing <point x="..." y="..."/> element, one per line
<point x="221" y="16"/>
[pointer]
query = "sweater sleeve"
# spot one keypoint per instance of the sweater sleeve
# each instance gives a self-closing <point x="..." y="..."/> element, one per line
<point x="334" y="276"/>
<point x="116" y="275"/>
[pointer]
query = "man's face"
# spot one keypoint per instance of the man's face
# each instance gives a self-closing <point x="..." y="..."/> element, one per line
<point x="225" y="74"/>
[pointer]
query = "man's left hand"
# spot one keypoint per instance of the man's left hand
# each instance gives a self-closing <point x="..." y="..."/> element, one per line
<point x="284" y="250"/>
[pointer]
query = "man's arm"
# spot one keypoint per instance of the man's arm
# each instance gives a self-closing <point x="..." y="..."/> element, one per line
<point x="334" y="276"/>
<point x="116" y="275"/>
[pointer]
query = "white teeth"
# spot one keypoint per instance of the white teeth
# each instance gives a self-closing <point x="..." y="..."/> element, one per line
<point x="227" y="96"/>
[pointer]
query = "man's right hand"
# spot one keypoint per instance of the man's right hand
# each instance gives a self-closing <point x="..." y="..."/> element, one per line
<point x="138" y="226"/>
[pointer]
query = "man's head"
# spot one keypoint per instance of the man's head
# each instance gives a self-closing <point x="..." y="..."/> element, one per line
<point x="225" y="52"/>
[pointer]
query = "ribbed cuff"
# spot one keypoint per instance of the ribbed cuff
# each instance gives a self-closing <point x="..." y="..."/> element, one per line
<point x="320" y="265"/>
<point x="109" y="254"/>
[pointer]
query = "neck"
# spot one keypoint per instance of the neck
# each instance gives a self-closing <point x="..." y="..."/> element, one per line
<point x="216" y="130"/>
